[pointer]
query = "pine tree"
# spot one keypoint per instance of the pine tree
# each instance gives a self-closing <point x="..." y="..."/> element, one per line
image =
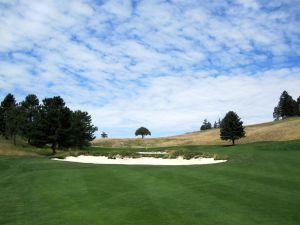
<point x="203" y="126"/>
<point x="54" y="124"/>
<point x="82" y="129"/>
<point x="298" y="106"/>
<point x="219" y="123"/>
<point x="231" y="127"/>
<point x="276" y="113"/>
<point x="215" y="124"/>
<point x="206" y="125"/>
<point x="13" y="122"/>
<point x="287" y="106"/>
<point x="104" y="135"/>
<point x="30" y="109"/>
<point x="51" y="123"/>
<point x="8" y="102"/>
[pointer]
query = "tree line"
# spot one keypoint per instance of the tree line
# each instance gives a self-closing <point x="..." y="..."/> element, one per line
<point x="231" y="127"/>
<point x="207" y="125"/>
<point x="286" y="107"/>
<point x="48" y="123"/>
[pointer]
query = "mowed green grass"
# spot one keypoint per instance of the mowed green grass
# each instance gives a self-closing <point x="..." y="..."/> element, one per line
<point x="259" y="185"/>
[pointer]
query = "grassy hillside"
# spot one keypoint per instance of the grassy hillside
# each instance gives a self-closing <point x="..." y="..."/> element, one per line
<point x="282" y="130"/>
<point x="258" y="185"/>
<point x="21" y="149"/>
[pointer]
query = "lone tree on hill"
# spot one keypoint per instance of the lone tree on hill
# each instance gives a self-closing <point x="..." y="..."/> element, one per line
<point x="104" y="135"/>
<point x="231" y="127"/>
<point x="143" y="131"/>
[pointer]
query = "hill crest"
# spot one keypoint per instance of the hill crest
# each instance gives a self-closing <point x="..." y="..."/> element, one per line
<point x="282" y="130"/>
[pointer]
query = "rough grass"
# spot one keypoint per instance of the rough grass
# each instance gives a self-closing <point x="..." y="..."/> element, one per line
<point x="113" y="153"/>
<point x="7" y="148"/>
<point x="282" y="130"/>
<point x="258" y="185"/>
<point x="20" y="149"/>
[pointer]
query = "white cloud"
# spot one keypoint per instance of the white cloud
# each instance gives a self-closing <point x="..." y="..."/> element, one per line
<point x="180" y="104"/>
<point x="167" y="65"/>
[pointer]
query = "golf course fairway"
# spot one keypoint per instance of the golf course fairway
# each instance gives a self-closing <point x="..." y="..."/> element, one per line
<point x="258" y="185"/>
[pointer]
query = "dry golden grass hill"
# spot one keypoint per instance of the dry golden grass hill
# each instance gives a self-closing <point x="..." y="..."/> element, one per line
<point x="283" y="130"/>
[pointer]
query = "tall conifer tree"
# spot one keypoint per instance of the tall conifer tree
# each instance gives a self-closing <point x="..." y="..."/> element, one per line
<point x="8" y="102"/>
<point x="231" y="127"/>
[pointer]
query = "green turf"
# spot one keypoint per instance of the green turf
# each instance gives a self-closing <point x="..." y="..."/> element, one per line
<point x="260" y="185"/>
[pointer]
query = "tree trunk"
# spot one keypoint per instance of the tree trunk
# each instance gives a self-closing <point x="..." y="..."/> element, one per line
<point x="53" y="148"/>
<point x="14" y="138"/>
<point x="233" y="141"/>
<point x="142" y="136"/>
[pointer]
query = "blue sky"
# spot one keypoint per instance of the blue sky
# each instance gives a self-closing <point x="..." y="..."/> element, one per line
<point x="166" y="65"/>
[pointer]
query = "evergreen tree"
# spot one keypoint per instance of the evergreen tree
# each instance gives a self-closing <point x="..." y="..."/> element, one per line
<point x="58" y="126"/>
<point x="287" y="106"/>
<point x="38" y="136"/>
<point x="8" y="102"/>
<point x="219" y="123"/>
<point x="50" y="123"/>
<point x="30" y="109"/>
<point x="215" y="124"/>
<point x="231" y="127"/>
<point x="203" y="126"/>
<point x="206" y="125"/>
<point x="65" y="131"/>
<point x="82" y="129"/>
<point x="104" y="135"/>
<point x="13" y="117"/>
<point x="276" y="113"/>
<point x="54" y="124"/>
<point x="298" y="106"/>
<point x="143" y="131"/>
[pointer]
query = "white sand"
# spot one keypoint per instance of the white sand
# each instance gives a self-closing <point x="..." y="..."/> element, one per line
<point x="153" y="153"/>
<point x="140" y="161"/>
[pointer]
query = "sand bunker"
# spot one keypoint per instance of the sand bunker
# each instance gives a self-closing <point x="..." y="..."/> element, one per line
<point x="153" y="153"/>
<point x="140" y="161"/>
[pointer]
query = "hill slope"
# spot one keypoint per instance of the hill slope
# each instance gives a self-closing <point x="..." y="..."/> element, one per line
<point x="282" y="130"/>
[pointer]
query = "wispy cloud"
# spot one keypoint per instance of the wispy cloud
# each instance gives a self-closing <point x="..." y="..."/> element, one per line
<point x="163" y="64"/>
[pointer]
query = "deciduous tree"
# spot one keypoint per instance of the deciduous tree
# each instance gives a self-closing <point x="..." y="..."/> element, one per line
<point x="143" y="131"/>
